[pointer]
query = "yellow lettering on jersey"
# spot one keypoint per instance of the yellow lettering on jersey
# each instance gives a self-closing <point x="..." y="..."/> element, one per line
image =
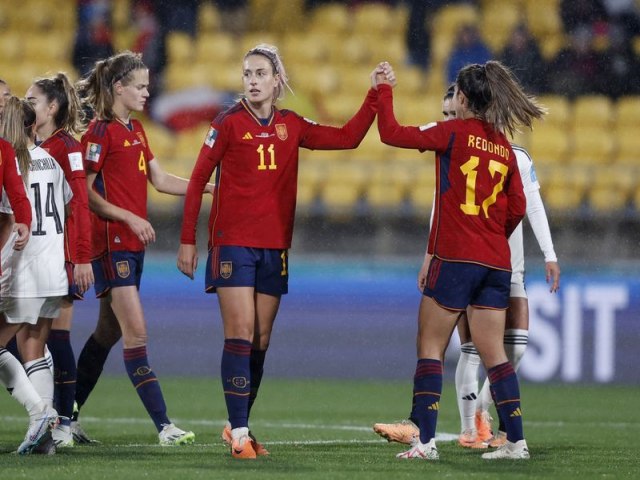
<point x="485" y="145"/>
<point x="272" y="157"/>
<point x="502" y="169"/>
<point x="469" y="171"/>
<point x="142" y="165"/>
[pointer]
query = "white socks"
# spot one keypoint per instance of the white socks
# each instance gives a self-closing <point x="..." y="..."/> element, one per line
<point x="15" y="379"/>
<point x="467" y="385"/>
<point x="41" y="377"/>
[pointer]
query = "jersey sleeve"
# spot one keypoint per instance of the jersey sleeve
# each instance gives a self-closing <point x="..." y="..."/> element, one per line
<point x="323" y="137"/>
<point x="96" y="145"/>
<point x="5" y="206"/>
<point x="14" y="187"/>
<point x="516" y="201"/>
<point x="429" y="137"/>
<point x="211" y="153"/>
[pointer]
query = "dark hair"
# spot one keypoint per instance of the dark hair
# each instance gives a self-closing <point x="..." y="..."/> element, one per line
<point x="70" y="115"/>
<point x="449" y="93"/>
<point x="96" y="89"/>
<point x="19" y="118"/>
<point x="495" y="95"/>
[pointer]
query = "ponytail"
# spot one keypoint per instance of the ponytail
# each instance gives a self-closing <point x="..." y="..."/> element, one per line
<point x="96" y="89"/>
<point x="70" y="115"/>
<point x="19" y="118"/>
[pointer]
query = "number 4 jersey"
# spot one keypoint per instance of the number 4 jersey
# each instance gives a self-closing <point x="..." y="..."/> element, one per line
<point x="119" y="154"/>
<point x="39" y="270"/>
<point x="479" y="194"/>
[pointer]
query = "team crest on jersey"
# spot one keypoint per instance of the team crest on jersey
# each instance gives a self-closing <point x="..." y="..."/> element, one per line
<point x="226" y="269"/>
<point x="211" y="137"/>
<point x="93" y="152"/>
<point x="75" y="161"/>
<point x="142" y="140"/>
<point x="123" y="269"/>
<point x="281" y="131"/>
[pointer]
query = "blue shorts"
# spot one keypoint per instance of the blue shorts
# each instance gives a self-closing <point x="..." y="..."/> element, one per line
<point x="74" y="291"/>
<point x="457" y="285"/>
<point x="117" y="269"/>
<point x="265" y="269"/>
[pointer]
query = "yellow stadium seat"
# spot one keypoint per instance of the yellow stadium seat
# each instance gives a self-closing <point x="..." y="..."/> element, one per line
<point x="161" y="140"/>
<point x="559" y="110"/>
<point x="592" y="111"/>
<point x="332" y="17"/>
<point x="180" y="49"/>
<point x="418" y="111"/>
<point x="340" y="198"/>
<point x="611" y="189"/>
<point x="543" y="17"/>
<point x="564" y="188"/>
<point x="393" y="50"/>
<point x="627" y="112"/>
<point x="450" y="18"/>
<point x="498" y="21"/>
<point x="372" y="149"/>
<point x="307" y="49"/>
<point x="384" y="196"/>
<point x="251" y="40"/>
<point x="354" y="51"/>
<point x="307" y="194"/>
<point x="375" y="17"/>
<point x="628" y="140"/>
<point x="592" y="146"/>
<point x="548" y="145"/>
<point x="215" y="47"/>
<point x="208" y="18"/>
<point x="342" y="107"/>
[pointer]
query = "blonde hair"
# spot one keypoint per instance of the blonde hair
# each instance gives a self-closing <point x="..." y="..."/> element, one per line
<point x="270" y="52"/>
<point x="495" y="95"/>
<point x="70" y="115"/>
<point x="96" y="89"/>
<point x="19" y="117"/>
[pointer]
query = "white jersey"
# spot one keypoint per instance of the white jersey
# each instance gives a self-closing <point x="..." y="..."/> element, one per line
<point x="535" y="214"/>
<point x="39" y="269"/>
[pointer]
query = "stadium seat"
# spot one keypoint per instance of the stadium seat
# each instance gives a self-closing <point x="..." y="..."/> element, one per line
<point x="161" y="140"/>
<point x="371" y="149"/>
<point x="543" y="17"/>
<point x="180" y="49"/>
<point x="307" y="49"/>
<point x="563" y="189"/>
<point x="559" y="111"/>
<point x="384" y="196"/>
<point x="213" y="48"/>
<point x="548" y="145"/>
<point x="374" y="17"/>
<point x="628" y="142"/>
<point x="331" y="18"/>
<point x="341" y="107"/>
<point x="354" y="51"/>
<point x="208" y="18"/>
<point x="627" y="112"/>
<point x="592" y="111"/>
<point x="498" y="21"/>
<point x="611" y="189"/>
<point x="592" y="146"/>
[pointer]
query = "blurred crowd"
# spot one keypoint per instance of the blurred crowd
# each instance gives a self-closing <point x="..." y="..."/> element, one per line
<point x="597" y="58"/>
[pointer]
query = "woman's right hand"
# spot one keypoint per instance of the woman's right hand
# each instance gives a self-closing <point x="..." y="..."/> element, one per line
<point x="187" y="259"/>
<point x="142" y="228"/>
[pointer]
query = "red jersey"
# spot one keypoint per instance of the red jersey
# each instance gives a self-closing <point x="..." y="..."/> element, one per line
<point x="10" y="180"/>
<point x="479" y="195"/>
<point x="257" y="170"/>
<point x="120" y="155"/>
<point x="67" y="151"/>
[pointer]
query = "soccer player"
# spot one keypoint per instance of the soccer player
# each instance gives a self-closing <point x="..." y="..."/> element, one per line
<point x="253" y="146"/>
<point x="119" y="163"/>
<point x="59" y="117"/>
<point x="33" y="278"/>
<point x="479" y="203"/>
<point x="476" y="421"/>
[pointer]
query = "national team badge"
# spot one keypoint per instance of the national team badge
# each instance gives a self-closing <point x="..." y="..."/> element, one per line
<point x="281" y="131"/>
<point x="226" y="269"/>
<point x="123" y="269"/>
<point x="211" y="137"/>
<point x="239" y="382"/>
<point x="93" y="152"/>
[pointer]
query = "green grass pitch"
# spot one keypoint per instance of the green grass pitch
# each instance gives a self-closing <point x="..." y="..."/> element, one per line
<point x="321" y="429"/>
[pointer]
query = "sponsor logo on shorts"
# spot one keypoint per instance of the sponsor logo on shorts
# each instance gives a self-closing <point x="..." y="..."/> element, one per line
<point x="281" y="131"/>
<point x="226" y="269"/>
<point x="123" y="269"/>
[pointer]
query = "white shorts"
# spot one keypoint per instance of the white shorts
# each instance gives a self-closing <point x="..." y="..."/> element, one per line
<point x="28" y="310"/>
<point x="517" y="285"/>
